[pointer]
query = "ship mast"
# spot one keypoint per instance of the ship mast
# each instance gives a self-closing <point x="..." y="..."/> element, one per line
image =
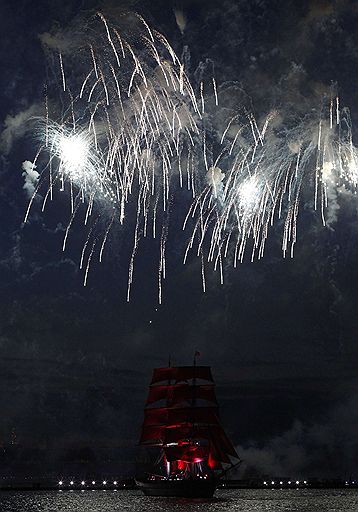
<point x="167" y="462"/>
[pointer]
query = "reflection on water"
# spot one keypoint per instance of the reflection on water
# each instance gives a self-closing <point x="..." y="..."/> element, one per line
<point x="260" y="500"/>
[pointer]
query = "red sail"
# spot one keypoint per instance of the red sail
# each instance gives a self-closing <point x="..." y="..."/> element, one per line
<point x="206" y="415"/>
<point x="218" y="454"/>
<point x="214" y="463"/>
<point x="181" y="373"/>
<point x="165" y="416"/>
<point x="181" y="392"/>
<point x="156" y="416"/>
<point x="213" y="433"/>
<point x="152" y="435"/>
<point x="226" y="444"/>
<point x="176" y="434"/>
<point x="217" y="435"/>
<point x="161" y="435"/>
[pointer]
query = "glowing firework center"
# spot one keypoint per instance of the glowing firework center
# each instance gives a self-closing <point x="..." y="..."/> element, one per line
<point x="248" y="194"/>
<point x="73" y="152"/>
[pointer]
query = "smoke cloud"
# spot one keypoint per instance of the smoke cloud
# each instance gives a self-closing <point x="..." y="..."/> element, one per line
<point x="328" y="448"/>
<point x="16" y="126"/>
<point x="31" y="177"/>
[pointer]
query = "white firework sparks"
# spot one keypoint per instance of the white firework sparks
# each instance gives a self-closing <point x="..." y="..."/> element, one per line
<point x="135" y="133"/>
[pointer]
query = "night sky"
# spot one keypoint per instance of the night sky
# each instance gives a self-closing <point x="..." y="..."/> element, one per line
<point x="280" y="334"/>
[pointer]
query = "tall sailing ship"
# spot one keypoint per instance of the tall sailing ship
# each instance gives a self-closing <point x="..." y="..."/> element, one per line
<point x="181" y="419"/>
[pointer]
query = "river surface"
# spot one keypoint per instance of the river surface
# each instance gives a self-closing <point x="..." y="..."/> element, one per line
<point x="243" y="500"/>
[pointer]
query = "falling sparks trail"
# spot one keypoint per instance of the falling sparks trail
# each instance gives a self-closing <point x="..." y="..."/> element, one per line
<point x="62" y="73"/>
<point x="137" y="135"/>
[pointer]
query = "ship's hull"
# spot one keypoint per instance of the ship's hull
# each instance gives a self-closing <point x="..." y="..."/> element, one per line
<point x="191" y="488"/>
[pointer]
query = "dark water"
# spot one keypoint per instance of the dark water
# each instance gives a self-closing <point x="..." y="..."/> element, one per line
<point x="263" y="500"/>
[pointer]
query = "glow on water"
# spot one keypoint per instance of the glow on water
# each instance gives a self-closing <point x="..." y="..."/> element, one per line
<point x="243" y="500"/>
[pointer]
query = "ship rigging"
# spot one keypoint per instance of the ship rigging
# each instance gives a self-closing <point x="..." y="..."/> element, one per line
<point x="181" y="418"/>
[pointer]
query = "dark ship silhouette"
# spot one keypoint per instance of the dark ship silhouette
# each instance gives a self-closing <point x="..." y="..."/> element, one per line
<point x="181" y="419"/>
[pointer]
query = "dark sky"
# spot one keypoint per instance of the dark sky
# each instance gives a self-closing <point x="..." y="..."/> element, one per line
<point x="281" y="335"/>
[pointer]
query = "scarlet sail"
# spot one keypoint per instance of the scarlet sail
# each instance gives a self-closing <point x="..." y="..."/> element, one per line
<point x="181" y="417"/>
<point x="181" y="373"/>
<point x="180" y="392"/>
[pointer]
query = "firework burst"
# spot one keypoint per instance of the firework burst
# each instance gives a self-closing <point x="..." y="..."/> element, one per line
<point x="134" y="131"/>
